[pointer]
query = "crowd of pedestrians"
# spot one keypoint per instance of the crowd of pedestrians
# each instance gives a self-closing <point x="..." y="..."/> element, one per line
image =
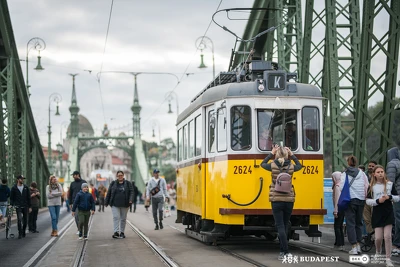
<point x="374" y="207"/>
<point x="81" y="198"/>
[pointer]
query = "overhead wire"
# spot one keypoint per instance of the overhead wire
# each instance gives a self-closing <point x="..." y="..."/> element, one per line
<point x="184" y="72"/>
<point x="102" y="60"/>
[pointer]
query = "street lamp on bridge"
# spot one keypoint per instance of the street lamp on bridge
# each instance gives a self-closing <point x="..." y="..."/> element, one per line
<point x="55" y="97"/>
<point x="169" y="96"/>
<point x="39" y="45"/>
<point x="201" y="43"/>
<point x="60" y="150"/>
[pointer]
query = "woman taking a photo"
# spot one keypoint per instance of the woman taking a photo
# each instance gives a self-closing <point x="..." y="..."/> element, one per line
<point x="282" y="203"/>
<point x="53" y="193"/>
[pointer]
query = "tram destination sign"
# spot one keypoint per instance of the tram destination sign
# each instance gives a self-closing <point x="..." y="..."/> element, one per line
<point x="276" y="81"/>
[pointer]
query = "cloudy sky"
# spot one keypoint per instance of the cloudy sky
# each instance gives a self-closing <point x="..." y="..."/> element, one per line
<point x="144" y="36"/>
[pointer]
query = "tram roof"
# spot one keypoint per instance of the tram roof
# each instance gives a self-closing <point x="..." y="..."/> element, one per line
<point x="247" y="89"/>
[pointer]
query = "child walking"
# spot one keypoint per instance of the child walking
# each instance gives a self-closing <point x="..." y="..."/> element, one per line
<point x="380" y="195"/>
<point x="85" y="203"/>
<point x="339" y="216"/>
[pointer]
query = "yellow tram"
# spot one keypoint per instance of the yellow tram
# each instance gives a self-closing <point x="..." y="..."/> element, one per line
<point x="224" y="135"/>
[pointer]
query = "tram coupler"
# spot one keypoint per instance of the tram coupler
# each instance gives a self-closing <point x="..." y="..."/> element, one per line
<point x="228" y="196"/>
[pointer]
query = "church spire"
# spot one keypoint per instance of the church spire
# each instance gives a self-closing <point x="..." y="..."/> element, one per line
<point x="136" y="109"/>
<point x="74" y="110"/>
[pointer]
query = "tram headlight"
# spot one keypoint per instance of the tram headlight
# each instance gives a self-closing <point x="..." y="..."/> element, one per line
<point x="261" y="85"/>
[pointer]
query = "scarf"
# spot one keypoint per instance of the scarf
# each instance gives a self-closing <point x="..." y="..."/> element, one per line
<point x="54" y="187"/>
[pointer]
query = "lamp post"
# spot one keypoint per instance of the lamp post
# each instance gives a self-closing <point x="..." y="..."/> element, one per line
<point x="60" y="150"/>
<point x="155" y="123"/>
<point x="39" y="45"/>
<point x="55" y="97"/>
<point x="201" y="43"/>
<point x="169" y="96"/>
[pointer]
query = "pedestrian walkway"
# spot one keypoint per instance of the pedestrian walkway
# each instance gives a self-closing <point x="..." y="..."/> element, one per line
<point x="102" y="249"/>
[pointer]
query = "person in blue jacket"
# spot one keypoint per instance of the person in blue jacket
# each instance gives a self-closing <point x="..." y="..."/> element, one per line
<point x="85" y="203"/>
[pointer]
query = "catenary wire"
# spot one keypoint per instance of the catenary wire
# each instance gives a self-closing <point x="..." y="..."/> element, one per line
<point x="102" y="60"/>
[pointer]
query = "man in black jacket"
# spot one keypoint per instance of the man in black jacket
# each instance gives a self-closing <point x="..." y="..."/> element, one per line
<point x="74" y="189"/>
<point x="20" y="197"/>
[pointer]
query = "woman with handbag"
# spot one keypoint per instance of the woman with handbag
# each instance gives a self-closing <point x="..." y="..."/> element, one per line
<point x="358" y="183"/>
<point x="282" y="203"/>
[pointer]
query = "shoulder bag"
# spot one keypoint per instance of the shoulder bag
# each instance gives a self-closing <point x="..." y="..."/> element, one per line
<point x="344" y="199"/>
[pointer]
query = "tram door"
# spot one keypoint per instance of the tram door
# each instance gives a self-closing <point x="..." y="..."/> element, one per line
<point x="210" y="152"/>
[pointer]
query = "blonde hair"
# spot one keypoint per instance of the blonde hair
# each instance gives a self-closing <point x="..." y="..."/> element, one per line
<point x="374" y="180"/>
<point x="281" y="155"/>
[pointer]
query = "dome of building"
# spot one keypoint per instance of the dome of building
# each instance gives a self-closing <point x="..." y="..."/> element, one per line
<point x="85" y="127"/>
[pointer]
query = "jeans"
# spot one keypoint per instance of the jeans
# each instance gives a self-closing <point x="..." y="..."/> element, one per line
<point x="22" y="217"/>
<point x="282" y="212"/>
<point x="32" y="219"/>
<point x="101" y="203"/>
<point x="3" y="208"/>
<point x="54" y="214"/>
<point x="354" y="216"/>
<point x="119" y="218"/>
<point x="157" y="204"/>
<point x="67" y="204"/>
<point x="83" y="226"/>
<point x="338" y="227"/>
<point x="396" y="210"/>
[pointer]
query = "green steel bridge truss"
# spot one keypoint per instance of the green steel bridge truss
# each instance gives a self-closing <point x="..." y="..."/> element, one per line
<point x="339" y="49"/>
<point x="20" y="149"/>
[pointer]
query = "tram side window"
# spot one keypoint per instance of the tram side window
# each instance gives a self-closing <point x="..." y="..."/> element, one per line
<point x="211" y="131"/>
<point x="185" y="143"/>
<point x="311" y="129"/>
<point x="222" y="131"/>
<point x="198" y="135"/>
<point x="241" y="128"/>
<point x="180" y="144"/>
<point x="191" y="139"/>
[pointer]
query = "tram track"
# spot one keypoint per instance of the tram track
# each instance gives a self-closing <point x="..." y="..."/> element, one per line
<point x="157" y="250"/>
<point x="81" y="251"/>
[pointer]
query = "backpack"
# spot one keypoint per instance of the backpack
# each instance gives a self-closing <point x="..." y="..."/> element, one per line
<point x="283" y="182"/>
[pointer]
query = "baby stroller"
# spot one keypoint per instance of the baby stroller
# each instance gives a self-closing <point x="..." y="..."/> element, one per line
<point x="367" y="243"/>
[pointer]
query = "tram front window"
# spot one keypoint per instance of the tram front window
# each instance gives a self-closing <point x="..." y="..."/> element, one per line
<point x="277" y="126"/>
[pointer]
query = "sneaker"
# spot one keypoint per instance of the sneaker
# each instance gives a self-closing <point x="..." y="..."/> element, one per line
<point x="85" y="237"/>
<point x="78" y="233"/>
<point x="389" y="263"/>
<point x="281" y="256"/>
<point x="161" y="225"/>
<point x="122" y="235"/>
<point x="341" y="248"/>
<point x="353" y="251"/>
<point x="80" y="238"/>
<point x="396" y="250"/>
<point x="156" y="228"/>
<point x="358" y="248"/>
<point x="115" y="235"/>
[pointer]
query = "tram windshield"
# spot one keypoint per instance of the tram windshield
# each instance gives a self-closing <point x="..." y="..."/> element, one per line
<point x="277" y="126"/>
<point x="280" y="126"/>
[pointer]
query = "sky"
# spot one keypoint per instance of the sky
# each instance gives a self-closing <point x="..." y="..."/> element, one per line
<point x="143" y="36"/>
